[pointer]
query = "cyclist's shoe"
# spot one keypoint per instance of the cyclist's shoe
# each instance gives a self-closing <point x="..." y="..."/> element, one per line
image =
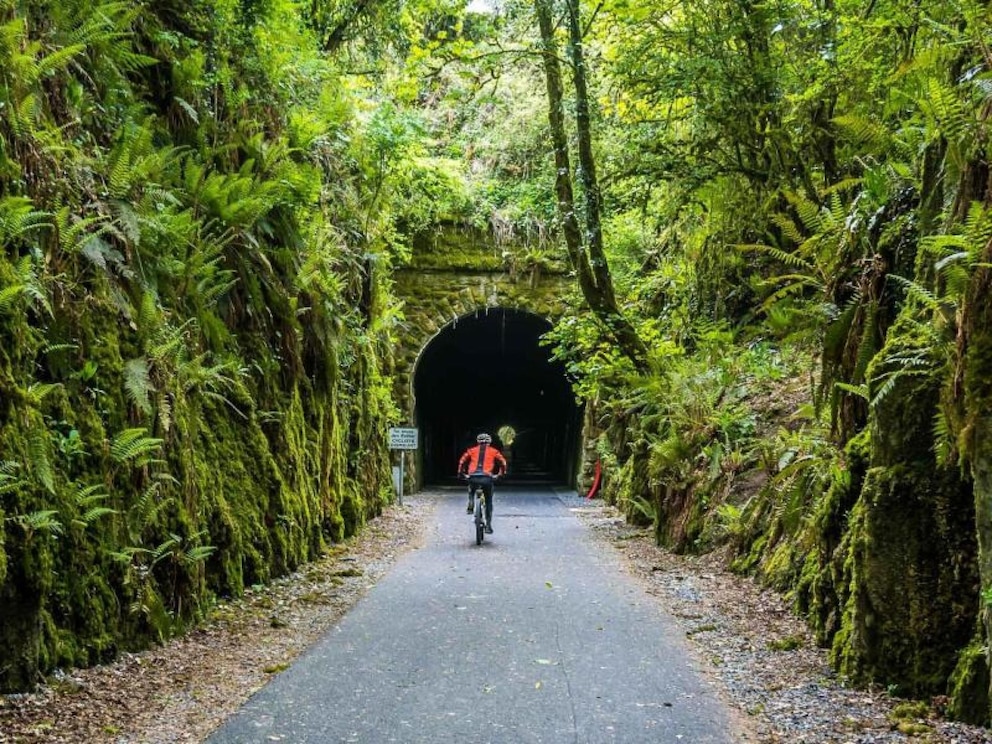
<point x="489" y="529"/>
<point x="468" y="509"/>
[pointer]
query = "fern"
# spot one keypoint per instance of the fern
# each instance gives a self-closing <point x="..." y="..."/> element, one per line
<point x="867" y="347"/>
<point x="58" y="59"/>
<point x="133" y="446"/>
<point x="144" y="512"/>
<point x="942" y="104"/>
<point x="18" y="218"/>
<point x="44" y="520"/>
<point x="197" y="554"/>
<point x="9" y="296"/>
<point x="88" y="500"/>
<point x="860" y="391"/>
<point x="907" y="365"/>
<point x="730" y="519"/>
<point x="919" y="292"/>
<point x="645" y="508"/>
<point x="38" y="391"/>
<point x="10" y="481"/>
<point x="74" y="233"/>
<point x="28" y="285"/>
<point x="785" y="257"/>
<point x="40" y="463"/>
<point x="164" y="408"/>
<point x="943" y="439"/>
<point x="864" y="132"/>
<point x="138" y="385"/>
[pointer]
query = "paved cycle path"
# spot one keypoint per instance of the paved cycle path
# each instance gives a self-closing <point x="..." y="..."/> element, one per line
<point x="534" y="636"/>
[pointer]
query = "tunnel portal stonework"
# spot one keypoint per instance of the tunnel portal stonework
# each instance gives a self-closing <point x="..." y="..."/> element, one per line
<point x="459" y="274"/>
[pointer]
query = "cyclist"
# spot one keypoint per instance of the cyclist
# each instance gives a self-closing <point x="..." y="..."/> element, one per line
<point x="481" y="463"/>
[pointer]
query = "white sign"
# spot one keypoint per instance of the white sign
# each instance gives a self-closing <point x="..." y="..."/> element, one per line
<point x="402" y="438"/>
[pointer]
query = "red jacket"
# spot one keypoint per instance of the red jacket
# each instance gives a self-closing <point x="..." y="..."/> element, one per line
<point x="490" y="458"/>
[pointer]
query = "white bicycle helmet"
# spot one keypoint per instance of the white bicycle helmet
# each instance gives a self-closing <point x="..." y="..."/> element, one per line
<point x="484" y="439"/>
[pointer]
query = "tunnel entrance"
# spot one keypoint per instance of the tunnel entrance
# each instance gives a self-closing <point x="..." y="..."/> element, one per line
<point x="485" y="372"/>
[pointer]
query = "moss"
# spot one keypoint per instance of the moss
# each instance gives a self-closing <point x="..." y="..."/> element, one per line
<point x="789" y="643"/>
<point x="974" y="435"/>
<point x="21" y="602"/>
<point x="824" y="585"/>
<point x="913" y="728"/>
<point x="909" y="709"/>
<point x="909" y="565"/>
<point x="462" y="247"/>
<point x="969" y="685"/>
<point x="908" y="578"/>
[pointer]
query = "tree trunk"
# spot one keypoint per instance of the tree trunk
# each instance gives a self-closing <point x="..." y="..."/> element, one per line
<point x="590" y="264"/>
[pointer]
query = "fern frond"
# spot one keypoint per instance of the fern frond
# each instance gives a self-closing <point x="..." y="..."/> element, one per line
<point x="868" y="346"/>
<point x="19" y="217"/>
<point x="921" y="293"/>
<point x="164" y="409"/>
<point x="788" y="227"/>
<point x="191" y="112"/>
<point x="138" y="385"/>
<point x="44" y="520"/>
<point x="39" y="445"/>
<point x="943" y="438"/>
<point x="9" y="296"/>
<point x="810" y="213"/>
<point x="863" y="131"/>
<point x="28" y="285"/>
<point x="860" y="391"/>
<point x="789" y="259"/>
<point x="645" y="508"/>
<point x="88" y="499"/>
<point x="38" y="391"/>
<point x="10" y="481"/>
<point x="166" y="548"/>
<point x="133" y="445"/>
<point x="59" y="59"/>
<point x="890" y="382"/>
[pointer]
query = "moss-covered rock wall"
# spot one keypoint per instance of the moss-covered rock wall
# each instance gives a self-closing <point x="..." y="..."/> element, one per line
<point x="195" y="351"/>
<point x="911" y="549"/>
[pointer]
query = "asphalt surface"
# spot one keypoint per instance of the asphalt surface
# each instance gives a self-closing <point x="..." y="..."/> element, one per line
<point x="534" y="636"/>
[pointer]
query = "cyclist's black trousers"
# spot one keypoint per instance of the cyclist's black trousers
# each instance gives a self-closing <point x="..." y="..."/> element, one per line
<point x="485" y="482"/>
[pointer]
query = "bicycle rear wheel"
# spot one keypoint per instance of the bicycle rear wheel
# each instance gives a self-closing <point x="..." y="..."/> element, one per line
<point x="480" y="522"/>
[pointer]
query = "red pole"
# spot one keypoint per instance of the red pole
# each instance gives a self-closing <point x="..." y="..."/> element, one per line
<point x="597" y="475"/>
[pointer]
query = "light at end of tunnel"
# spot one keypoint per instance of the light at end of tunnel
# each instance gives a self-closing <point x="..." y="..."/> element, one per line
<point x="506" y="434"/>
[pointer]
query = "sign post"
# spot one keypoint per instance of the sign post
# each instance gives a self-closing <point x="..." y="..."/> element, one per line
<point x="402" y="439"/>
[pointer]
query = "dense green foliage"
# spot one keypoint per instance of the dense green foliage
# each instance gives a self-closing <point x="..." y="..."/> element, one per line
<point x="198" y="215"/>
<point x="200" y="206"/>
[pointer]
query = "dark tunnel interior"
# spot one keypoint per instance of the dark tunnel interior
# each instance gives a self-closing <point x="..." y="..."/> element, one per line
<point x="486" y="371"/>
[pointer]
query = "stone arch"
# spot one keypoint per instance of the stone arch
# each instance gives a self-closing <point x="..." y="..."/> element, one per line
<point x="438" y="295"/>
<point x="487" y="370"/>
